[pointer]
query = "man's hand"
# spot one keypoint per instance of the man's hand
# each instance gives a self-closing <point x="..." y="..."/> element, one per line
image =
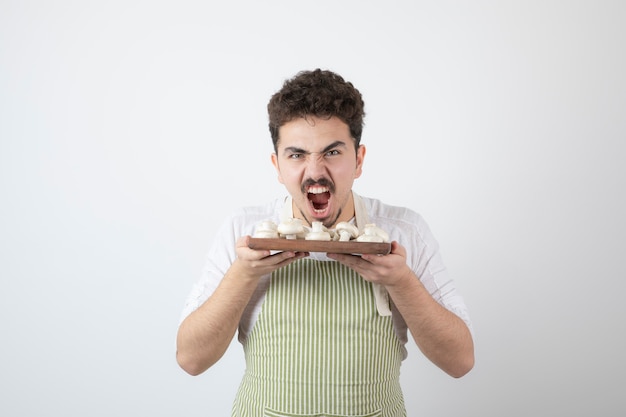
<point x="205" y="334"/>
<point x="253" y="263"/>
<point x="439" y="333"/>
<point x="387" y="270"/>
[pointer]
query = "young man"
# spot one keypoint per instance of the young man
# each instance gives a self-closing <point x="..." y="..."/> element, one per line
<point x="323" y="334"/>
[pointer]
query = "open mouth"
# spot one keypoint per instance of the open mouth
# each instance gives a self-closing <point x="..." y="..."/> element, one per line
<point x="318" y="197"/>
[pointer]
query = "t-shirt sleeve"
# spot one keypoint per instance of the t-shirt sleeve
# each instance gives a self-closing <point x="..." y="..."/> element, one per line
<point x="220" y="256"/>
<point x="428" y="265"/>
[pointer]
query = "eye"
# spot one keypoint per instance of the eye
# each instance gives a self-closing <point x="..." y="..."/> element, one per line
<point x="334" y="152"/>
<point x="294" y="156"/>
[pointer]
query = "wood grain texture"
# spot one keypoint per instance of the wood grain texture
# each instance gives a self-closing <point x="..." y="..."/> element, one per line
<point x="301" y="245"/>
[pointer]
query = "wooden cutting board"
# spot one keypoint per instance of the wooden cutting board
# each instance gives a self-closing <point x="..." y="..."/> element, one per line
<point x="302" y="245"/>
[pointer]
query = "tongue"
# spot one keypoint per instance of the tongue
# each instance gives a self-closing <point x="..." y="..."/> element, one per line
<point x="319" y="200"/>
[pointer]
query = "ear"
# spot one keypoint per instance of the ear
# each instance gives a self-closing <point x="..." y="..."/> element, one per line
<point x="360" y="156"/>
<point x="275" y="163"/>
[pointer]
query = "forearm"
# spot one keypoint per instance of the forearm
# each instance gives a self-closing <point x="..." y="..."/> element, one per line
<point x="440" y="334"/>
<point x="205" y="334"/>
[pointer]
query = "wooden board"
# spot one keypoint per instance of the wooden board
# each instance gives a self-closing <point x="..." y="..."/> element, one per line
<point x="301" y="245"/>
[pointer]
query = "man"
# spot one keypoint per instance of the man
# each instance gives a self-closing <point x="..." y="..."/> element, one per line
<point x="323" y="334"/>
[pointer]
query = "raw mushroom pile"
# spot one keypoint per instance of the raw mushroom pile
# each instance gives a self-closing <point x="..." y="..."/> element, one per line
<point x="344" y="232"/>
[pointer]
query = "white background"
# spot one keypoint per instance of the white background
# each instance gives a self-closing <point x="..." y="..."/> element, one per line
<point x="129" y="129"/>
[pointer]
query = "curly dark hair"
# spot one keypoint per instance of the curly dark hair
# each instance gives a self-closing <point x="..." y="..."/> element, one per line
<point x="319" y="93"/>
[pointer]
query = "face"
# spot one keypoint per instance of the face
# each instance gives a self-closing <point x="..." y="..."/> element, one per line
<point x="317" y="163"/>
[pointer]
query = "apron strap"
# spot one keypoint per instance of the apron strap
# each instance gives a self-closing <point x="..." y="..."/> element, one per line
<point x="380" y="293"/>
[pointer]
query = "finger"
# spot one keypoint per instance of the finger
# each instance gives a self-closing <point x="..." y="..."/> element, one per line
<point x="243" y="241"/>
<point x="285" y="255"/>
<point x="289" y="259"/>
<point x="398" y="249"/>
<point x="244" y="252"/>
<point x="354" y="262"/>
<point x="378" y="259"/>
<point x="342" y="256"/>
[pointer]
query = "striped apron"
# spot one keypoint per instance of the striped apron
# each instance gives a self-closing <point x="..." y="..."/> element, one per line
<point x="320" y="348"/>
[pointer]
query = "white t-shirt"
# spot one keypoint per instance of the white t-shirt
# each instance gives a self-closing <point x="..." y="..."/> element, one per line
<point x="403" y="225"/>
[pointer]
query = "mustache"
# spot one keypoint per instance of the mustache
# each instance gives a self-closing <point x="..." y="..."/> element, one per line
<point x="323" y="182"/>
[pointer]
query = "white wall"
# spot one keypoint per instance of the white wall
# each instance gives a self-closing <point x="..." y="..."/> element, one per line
<point x="128" y="129"/>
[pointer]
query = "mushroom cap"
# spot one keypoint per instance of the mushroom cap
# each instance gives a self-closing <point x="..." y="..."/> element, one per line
<point x="290" y="227"/>
<point x="347" y="227"/>
<point x="266" y="229"/>
<point x="369" y="238"/>
<point x="266" y="234"/>
<point x="372" y="230"/>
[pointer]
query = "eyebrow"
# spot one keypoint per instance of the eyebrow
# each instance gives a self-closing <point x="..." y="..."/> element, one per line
<point x="294" y="149"/>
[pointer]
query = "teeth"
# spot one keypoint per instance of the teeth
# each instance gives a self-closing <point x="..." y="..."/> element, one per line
<point x="318" y="190"/>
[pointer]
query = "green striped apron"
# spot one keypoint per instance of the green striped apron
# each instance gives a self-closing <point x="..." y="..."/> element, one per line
<point x="320" y="348"/>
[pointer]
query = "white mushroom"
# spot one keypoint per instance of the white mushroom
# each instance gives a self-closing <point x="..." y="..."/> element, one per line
<point x="266" y="229"/>
<point x="346" y="231"/>
<point x="373" y="233"/>
<point x="291" y="228"/>
<point x="318" y="232"/>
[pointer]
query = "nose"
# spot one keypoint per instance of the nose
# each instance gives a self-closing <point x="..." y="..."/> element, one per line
<point x="316" y="166"/>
